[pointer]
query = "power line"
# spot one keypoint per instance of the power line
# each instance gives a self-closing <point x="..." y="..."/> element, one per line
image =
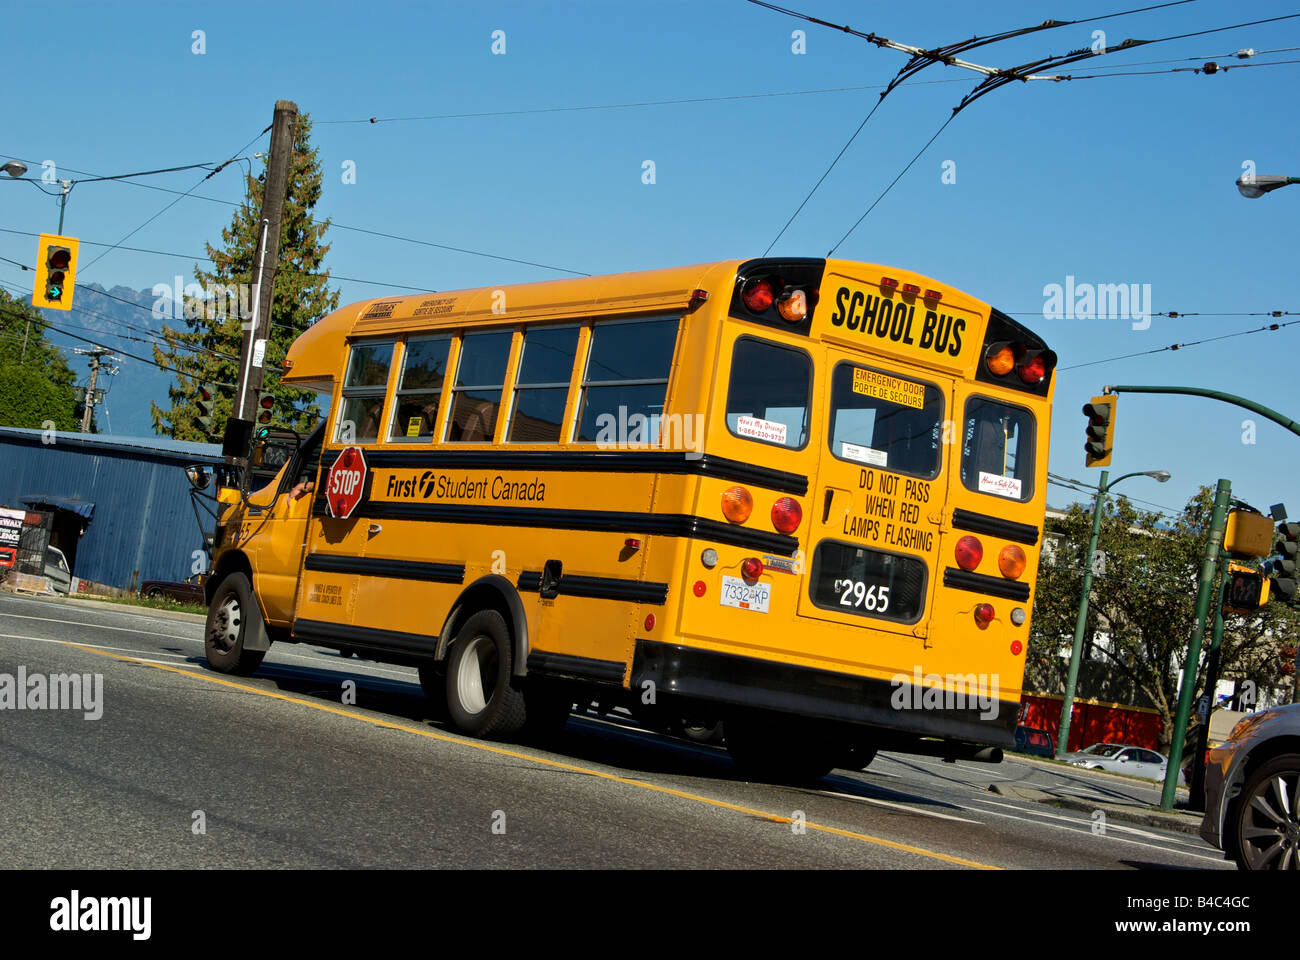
<point x="619" y="106"/>
<point x="151" y="219"/>
<point x="1189" y="343"/>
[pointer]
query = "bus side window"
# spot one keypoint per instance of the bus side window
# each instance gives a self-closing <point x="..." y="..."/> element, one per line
<point x="626" y="381"/>
<point x="480" y="378"/>
<point x="363" y="392"/>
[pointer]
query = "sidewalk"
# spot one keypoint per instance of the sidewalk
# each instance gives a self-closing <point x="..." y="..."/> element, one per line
<point x="114" y="607"/>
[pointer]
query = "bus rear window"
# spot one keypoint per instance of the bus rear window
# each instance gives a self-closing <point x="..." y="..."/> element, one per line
<point x="997" y="449"/>
<point x="886" y="421"/>
<point x="767" y="400"/>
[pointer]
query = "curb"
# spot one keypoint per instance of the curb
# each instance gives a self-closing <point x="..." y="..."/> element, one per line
<point x="122" y="608"/>
<point x="1181" y="821"/>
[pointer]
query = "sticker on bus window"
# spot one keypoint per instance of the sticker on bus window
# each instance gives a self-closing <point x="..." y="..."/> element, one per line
<point x="1001" y="486"/>
<point x="413" y="426"/>
<point x="851" y="451"/>
<point x="759" y="429"/>
<point x="905" y="393"/>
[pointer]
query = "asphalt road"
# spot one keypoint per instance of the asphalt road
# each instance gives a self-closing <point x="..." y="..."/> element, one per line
<point x="188" y="768"/>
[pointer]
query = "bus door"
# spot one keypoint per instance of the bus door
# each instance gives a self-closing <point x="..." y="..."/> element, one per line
<point x="877" y="505"/>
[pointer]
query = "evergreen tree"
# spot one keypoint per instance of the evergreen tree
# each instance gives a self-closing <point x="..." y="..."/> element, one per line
<point x="36" y="383"/>
<point x="214" y="320"/>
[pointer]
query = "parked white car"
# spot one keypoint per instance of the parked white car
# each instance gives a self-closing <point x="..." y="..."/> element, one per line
<point x="1121" y="758"/>
<point x="56" y="568"/>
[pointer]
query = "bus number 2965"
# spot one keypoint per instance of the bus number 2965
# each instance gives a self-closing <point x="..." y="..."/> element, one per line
<point x="857" y="594"/>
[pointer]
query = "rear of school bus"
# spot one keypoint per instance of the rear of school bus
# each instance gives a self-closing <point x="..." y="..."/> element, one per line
<point x="868" y="579"/>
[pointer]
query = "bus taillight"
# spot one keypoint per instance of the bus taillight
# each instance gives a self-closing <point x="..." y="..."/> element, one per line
<point x="758" y="296"/>
<point x="1011" y="561"/>
<point x="737" y="504"/>
<point x="793" y="306"/>
<point x="1033" y="370"/>
<point x="984" y="614"/>
<point x="968" y="553"/>
<point x="787" y="515"/>
<point x="751" y="569"/>
<point x="1001" y="359"/>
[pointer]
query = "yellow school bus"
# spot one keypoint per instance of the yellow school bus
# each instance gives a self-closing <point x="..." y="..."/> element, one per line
<point x="798" y="497"/>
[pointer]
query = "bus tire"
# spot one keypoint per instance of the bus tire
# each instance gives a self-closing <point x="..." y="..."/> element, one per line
<point x="482" y="700"/>
<point x="230" y="617"/>
<point x="778" y="751"/>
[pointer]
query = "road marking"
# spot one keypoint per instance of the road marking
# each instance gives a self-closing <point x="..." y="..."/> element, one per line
<point x="541" y="761"/>
<point x="1110" y="824"/>
<point x="900" y="806"/>
<point x="1085" y="826"/>
<point x="15" y="636"/>
<point x="98" y="626"/>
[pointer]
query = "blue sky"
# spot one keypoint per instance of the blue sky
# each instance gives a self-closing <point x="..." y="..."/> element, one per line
<point x="1127" y="179"/>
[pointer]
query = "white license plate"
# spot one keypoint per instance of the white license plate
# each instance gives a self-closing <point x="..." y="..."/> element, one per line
<point x="737" y="593"/>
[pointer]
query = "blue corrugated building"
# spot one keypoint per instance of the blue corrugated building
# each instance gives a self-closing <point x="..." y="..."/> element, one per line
<point x="121" y="505"/>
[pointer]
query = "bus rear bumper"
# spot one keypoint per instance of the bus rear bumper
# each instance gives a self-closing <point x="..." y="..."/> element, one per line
<point x="897" y="705"/>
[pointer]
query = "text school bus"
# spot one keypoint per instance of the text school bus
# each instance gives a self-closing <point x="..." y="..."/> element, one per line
<point x="802" y="497"/>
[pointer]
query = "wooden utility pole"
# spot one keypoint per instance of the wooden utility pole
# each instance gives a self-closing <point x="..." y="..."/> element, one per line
<point x="266" y="255"/>
<point x="96" y="361"/>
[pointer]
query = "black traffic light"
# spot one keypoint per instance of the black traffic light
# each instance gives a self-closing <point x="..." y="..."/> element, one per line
<point x="205" y="398"/>
<point x="267" y="403"/>
<point x="1247" y="589"/>
<point x="1282" y="570"/>
<point x="1100" y="440"/>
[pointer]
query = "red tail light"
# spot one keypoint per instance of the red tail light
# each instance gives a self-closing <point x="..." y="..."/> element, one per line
<point x="889" y="282"/>
<point x="968" y="553"/>
<point x="1033" y="370"/>
<point x="787" y="515"/>
<point x="751" y="570"/>
<point x="984" y="614"/>
<point x="758" y="295"/>
<point x="933" y="295"/>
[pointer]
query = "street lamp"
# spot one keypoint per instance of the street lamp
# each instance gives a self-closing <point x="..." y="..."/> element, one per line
<point x="1076" y="651"/>
<point x="1253" y="186"/>
<point x="15" y="168"/>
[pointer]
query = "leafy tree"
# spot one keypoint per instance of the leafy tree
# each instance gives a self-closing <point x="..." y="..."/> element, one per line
<point x="214" y="308"/>
<point x="36" y="383"/>
<point x="1142" y="610"/>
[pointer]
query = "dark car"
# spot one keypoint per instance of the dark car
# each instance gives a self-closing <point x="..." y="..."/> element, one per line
<point x="1252" y="792"/>
<point x="1035" y="742"/>
<point x="189" y="590"/>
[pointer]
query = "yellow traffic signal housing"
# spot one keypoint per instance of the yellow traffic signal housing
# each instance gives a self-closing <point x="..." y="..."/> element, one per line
<point x="1248" y="534"/>
<point x="1100" y="441"/>
<point x="1248" y="589"/>
<point x="56" y="272"/>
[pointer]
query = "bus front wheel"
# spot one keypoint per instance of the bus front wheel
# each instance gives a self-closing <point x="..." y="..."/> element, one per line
<point x="482" y="701"/>
<point x="229" y="619"/>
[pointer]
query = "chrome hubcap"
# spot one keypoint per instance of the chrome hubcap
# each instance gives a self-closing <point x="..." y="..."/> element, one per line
<point x="224" y="633"/>
<point x="1271" y="834"/>
<point x="476" y="676"/>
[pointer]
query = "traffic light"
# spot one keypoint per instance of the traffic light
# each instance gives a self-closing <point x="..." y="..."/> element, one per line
<point x="1101" y="430"/>
<point x="1282" y="571"/>
<point x="205" y="399"/>
<point x="267" y="403"/>
<point x="1247" y="589"/>
<point x="56" y="272"/>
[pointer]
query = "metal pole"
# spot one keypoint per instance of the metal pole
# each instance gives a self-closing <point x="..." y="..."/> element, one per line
<point x="1263" y="411"/>
<point x="63" y="203"/>
<point x="1196" y="789"/>
<point x="1080" y="624"/>
<point x="1209" y="564"/>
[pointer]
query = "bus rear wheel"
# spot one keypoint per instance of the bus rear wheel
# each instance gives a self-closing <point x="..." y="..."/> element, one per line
<point x="482" y="699"/>
<point x="779" y="750"/>
<point x="229" y="618"/>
